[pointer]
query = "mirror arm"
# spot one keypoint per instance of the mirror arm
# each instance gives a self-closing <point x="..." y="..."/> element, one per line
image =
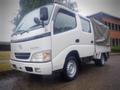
<point x="43" y="23"/>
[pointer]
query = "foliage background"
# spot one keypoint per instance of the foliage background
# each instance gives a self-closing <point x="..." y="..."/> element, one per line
<point x="28" y="5"/>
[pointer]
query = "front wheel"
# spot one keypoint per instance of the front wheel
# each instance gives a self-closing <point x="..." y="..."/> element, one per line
<point x="101" y="61"/>
<point x="70" y="70"/>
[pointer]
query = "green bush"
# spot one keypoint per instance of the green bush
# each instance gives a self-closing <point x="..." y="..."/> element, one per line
<point x="116" y="49"/>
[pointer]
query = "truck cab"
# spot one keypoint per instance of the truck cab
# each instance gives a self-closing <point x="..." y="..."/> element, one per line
<point x="52" y="38"/>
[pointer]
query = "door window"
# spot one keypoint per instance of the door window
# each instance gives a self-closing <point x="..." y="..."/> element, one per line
<point x="85" y="25"/>
<point x="64" y="21"/>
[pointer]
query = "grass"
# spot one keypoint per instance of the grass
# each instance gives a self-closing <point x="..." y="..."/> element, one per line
<point x="4" y="55"/>
<point x="4" y="67"/>
<point x="116" y="49"/>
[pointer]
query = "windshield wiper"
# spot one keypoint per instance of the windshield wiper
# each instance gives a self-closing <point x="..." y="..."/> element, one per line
<point x="24" y="31"/>
<point x="19" y="32"/>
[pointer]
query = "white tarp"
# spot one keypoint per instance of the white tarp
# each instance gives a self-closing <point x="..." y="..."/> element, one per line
<point x="101" y="33"/>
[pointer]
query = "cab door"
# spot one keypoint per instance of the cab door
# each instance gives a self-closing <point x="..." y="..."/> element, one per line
<point x="65" y="31"/>
<point x="86" y="37"/>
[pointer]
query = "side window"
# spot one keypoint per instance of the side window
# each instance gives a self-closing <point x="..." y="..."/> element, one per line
<point x="85" y="25"/>
<point x="64" y="21"/>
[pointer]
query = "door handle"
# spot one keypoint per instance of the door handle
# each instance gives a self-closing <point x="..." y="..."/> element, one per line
<point x="91" y="41"/>
<point x="77" y="40"/>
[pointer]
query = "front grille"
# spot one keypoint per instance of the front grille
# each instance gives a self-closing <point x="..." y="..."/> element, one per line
<point x="22" y="55"/>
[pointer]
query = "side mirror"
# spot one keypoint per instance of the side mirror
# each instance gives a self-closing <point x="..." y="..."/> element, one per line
<point x="44" y="14"/>
<point x="36" y="20"/>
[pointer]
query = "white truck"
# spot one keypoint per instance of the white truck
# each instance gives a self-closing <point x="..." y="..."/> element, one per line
<point x="53" y="38"/>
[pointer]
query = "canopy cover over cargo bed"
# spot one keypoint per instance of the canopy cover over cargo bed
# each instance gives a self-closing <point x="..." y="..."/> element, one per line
<point x="101" y="33"/>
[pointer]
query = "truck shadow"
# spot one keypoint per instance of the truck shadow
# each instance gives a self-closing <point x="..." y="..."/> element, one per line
<point x="57" y="78"/>
<point x="23" y="81"/>
<point x="83" y="70"/>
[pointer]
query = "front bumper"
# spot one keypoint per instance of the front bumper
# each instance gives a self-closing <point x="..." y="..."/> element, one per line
<point x="33" y="68"/>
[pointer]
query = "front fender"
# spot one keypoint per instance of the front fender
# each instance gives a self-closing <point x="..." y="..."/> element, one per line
<point x="59" y="60"/>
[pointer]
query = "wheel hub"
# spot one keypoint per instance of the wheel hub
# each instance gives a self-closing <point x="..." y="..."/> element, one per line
<point x="71" y="68"/>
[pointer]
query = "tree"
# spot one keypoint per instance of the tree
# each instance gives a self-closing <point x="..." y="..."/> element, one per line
<point x="28" y="5"/>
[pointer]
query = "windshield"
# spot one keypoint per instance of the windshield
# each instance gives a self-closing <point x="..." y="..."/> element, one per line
<point x="27" y="23"/>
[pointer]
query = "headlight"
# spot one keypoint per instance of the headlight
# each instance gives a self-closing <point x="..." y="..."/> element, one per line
<point x="43" y="56"/>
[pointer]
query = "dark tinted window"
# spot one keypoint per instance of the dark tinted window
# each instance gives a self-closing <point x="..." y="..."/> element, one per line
<point x="64" y="21"/>
<point x="112" y="26"/>
<point x="119" y="27"/>
<point x="85" y="25"/>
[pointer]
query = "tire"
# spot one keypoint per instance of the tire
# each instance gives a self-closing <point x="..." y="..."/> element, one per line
<point x="101" y="61"/>
<point x="70" y="70"/>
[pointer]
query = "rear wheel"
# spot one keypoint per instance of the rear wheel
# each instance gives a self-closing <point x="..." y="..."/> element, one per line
<point x="101" y="61"/>
<point x="70" y="70"/>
